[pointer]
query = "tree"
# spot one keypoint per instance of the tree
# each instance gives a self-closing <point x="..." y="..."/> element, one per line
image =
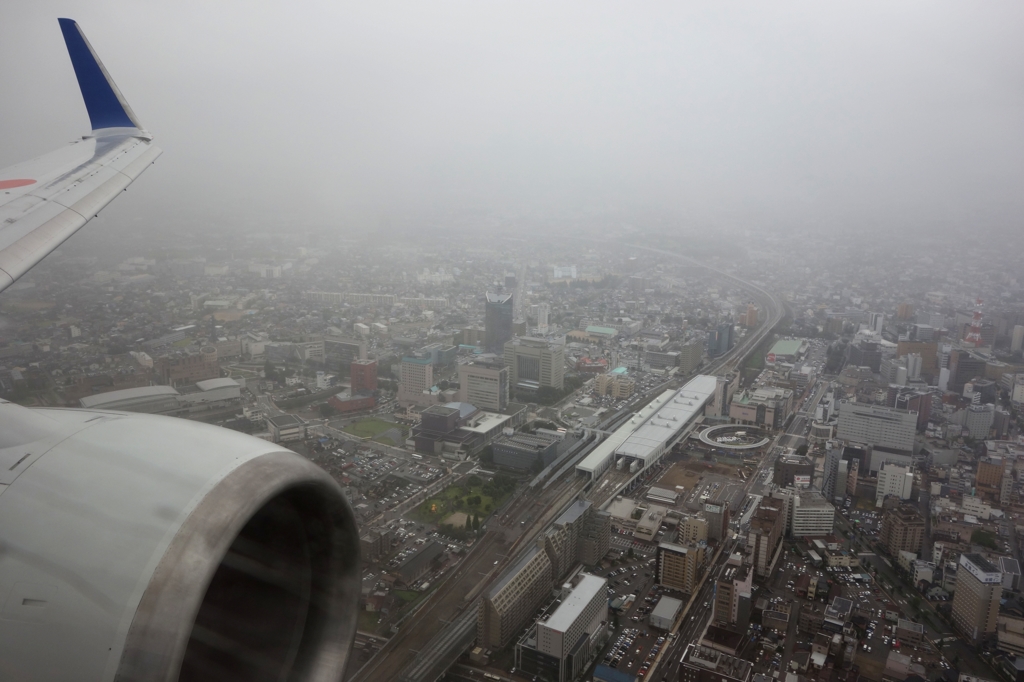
<point x="326" y="410"/>
<point x="802" y="450"/>
<point x="474" y="481"/>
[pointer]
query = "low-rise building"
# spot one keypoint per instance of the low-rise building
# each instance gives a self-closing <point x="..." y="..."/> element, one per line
<point x="704" y="664"/>
<point x="665" y="612"/>
<point x="285" y="428"/>
<point x="524" y="451"/>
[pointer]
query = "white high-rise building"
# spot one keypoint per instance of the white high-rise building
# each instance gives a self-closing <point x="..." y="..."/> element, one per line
<point x="876" y="425"/>
<point x="572" y="635"/>
<point x="484" y="384"/>
<point x="1017" y="338"/>
<point x="416" y="380"/>
<point x="806" y="512"/>
<point x="893" y="480"/>
<point x="914" y="366"/>
<point x="542" y="311"/>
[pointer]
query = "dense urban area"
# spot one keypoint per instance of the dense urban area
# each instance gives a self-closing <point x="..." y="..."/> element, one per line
<point x="618" y="457"/>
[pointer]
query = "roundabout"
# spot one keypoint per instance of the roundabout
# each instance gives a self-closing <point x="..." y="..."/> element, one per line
<point x="734" y="437"/>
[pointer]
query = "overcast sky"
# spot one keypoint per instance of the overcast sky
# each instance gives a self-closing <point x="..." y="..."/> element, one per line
<point x="755" y="115"/>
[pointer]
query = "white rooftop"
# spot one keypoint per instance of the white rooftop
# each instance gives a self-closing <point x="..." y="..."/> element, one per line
<point x="572" y="606"/>
<point x="210" y="384"/>
<point x="665" y="417"/>
<point x="138" y="393"/>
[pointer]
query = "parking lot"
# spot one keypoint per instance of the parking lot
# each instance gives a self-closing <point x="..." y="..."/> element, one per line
<point x="634" y="645"/>
<point x="873" y="615"/>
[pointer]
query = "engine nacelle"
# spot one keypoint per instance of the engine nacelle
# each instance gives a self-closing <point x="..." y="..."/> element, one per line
<point x="138" y="547"/>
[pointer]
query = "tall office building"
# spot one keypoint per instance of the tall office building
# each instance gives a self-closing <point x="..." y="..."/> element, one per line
<point x="806" y="513"/>
<point x="884" y="427"/>
<point x="484" y="383"/>
<point x="1017" y="338"/>
<point x="928" y="350"/>
<point x="534" y="363"/>
<point x="690" y="355"/>
<point x="766" y="530"/>
<point x="542" y="311"/>
<point x="692" y="529"/>
<point x="876" y="321"/>
<point x="498" y="315"/>
<point x="893" y="480"/>
<point x="363" y="375"/>
<point x="749" y="318"/>
<point x="680" y="568"/>
<point x="512" y="601"/>
<point x="791" y="469"/>
<point x="721" y="339"/>
<point x="340" y="351"/>
<point x="963" y="366"/>
<point x="842" y="482"/>
<point x="562" y="645"/>
<point x="717" y="515"/>
<point x="902" y="529"/>
<point x="979" y="587"/>
<point x="732" y="593"/>
<point x="416" y="382"/>
<point x="915" y="363"/>
<point x="864" y="354"/>
<point x="830" y="474"/>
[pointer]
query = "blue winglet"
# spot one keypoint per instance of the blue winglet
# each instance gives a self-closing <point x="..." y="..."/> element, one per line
<point x="106" y="106"/>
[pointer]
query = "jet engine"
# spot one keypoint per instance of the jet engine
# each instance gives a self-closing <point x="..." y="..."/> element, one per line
<point x="140" y="547"/>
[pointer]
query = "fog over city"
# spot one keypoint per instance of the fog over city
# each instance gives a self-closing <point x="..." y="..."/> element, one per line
<point x="347" y="116"/>
<point x="512" y="342"/>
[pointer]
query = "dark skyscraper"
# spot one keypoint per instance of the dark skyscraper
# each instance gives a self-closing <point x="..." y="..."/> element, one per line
<point x="497" y="322"/>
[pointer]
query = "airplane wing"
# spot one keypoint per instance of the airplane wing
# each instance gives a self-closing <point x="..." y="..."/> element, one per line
<point x="46" y="200"/>
<point x="145" y="547"/>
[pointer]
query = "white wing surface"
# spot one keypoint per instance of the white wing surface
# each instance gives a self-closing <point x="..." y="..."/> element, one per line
<point x="46" y="200"/>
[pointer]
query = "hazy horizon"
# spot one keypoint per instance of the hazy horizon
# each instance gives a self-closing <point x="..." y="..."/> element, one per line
<point x="792" y="116"/>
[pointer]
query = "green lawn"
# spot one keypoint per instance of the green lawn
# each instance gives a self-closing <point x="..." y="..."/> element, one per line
<point x="374" y="428"/>
<point x="407" y="595"/>
<point x="454" y="498"/>
<point x="368" y="621"/>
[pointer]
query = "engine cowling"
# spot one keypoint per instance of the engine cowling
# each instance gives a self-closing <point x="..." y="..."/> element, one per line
<point x="139" y="547"/>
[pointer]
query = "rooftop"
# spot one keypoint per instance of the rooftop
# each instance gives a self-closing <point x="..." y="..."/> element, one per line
<point x="283" y="421"/>
<point x="910" y="625"/>
<point x="572" y="606"/>
<point x="667" y="607"/>
<point x="981" y="568"/>
<point x="787" y="347"/>
<point x="717" y="662"/>
<point x="575" y="511"/>
<point x="663" y="422"/>
<point x="512" y="572"/>
<point x="126" y="394"/>
<point x="211" y="384"/>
